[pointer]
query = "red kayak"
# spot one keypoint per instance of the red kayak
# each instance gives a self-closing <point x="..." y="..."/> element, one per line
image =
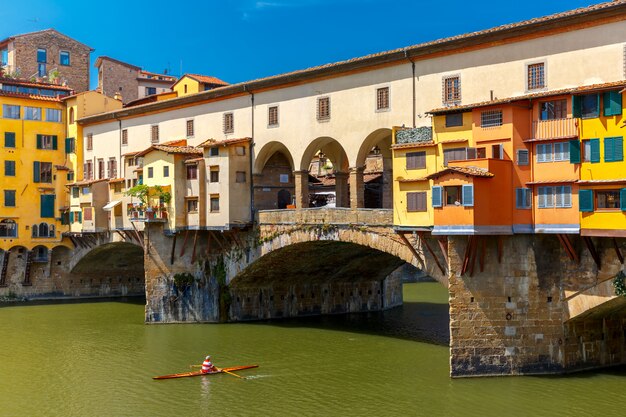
<point x="198" y="373"/>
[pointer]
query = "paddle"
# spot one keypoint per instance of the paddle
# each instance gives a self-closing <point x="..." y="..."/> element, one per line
<point x="230" y="373"/>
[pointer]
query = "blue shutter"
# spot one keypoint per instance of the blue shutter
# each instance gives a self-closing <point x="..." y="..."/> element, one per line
<point x="622" y="199"/>
<point x="9" y="139"/>
<point x="574" y="151"/>
<point x="612" y="103"/>
<point x="618" y="149"/>
<point x="519" y="198"/>
<point x="576" y="106"/>
<point x="585" y="201"/>
<point x="71" y="217"/>
<point x="468" y="195"/>
<point x="47" y="205"/>
<point x="36" y="173"/>
<point x="595" y="150"/>
<point x="54" y="142"/>
<point x="437" y="191"/>
<point x="608" y="150"/>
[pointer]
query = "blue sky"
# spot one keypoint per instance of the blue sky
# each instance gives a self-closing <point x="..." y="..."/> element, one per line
<point x="247" y="39"/>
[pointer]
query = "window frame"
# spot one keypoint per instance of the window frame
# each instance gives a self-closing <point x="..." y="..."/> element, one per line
<point x="190" y="128"/>
<point x="420" y="200"/>
<point x="449" y="122"/>
<point x="383" y="102"/>
<point x="191" y="172"/>
<point x="451" y="90"/>
<point x="69" y="60"/>
<point x="323" y="112"/>
<point x="272" y="120"/>
<point x="415" y="160"/>
<point x="228" y="122"/>
<point x="525" y="197"/>
<point x="536" y="80"/>
<point x="154" y="133"/>
<point x="214" y="198"/>
<point x="491" y="119"/>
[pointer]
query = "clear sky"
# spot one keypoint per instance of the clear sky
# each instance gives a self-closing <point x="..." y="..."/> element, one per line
<point x="239" y="40"/>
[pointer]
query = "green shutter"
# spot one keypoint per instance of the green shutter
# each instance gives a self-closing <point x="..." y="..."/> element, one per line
<point x="608" y="150"/>
<point x="47" y="205"/>
<point x="54" y="143"/>
<point x="9" y="139"/>
<point x="622" y="199"/>
<point x="585" y="200"/>
<point x="68" y="145"/>
<point x="36" y="173"/>
<point x="576" y="106"/>
<point x="574" y="151"/>
<point x="468" y="195"/>
<point x="618" y="149"/>
<point x="612" y="103"/>
<point x="595" y="150"/>
<point x="39" y="141"/>
<point x="80" y="216"/>
<point x="71" y="217"/>
<point x="436" y="196"/>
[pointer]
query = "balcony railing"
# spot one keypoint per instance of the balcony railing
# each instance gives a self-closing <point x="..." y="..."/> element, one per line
<point x="556" y="128"/>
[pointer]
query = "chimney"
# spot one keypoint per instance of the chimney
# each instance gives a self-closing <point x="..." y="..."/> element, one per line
<point x="117" y="96"/>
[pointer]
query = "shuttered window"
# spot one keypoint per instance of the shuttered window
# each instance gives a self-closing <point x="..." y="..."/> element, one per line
<point x="9" y="168"/>
<point x="190" y="128"/>
<point x="9" y="198"/>
<point x="544" y="152"/>
<point x="545" y="197"/>
<point x="48" y="142"/>
<point x="437" y="196"/>
<point x="468" y="196"/>
<point x="272" y="116"/>
<point x="574" y="151"/>
<point x="125" y="137"/>
<point x="586" y="106"/>
<point x="523" y="198"/>
<point x="563" y="196"/>
<point x="455" y="154"/>
<point x="9" y="139"/>
<point x="323" y="108"/>
<point x="561" y="151"/>
<point x="622" y="199"/>
<point x="70" y="145"/>
<point x="522" y="157"/>
<point x="416" y="201"/>
<point x="613" y="149"/>
<point x="416" y="160"/>
<point x="612" y="103"/>
<point x="89" y="145"/>
<point x="591" y="150"/>
<point x="382" y="98"/>
<point x="47" y="205"/>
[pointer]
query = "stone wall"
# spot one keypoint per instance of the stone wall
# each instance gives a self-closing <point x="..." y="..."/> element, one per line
<point x="119" y="78"/>
<point x="268" y="184"/>
<point x="76" y="74"/>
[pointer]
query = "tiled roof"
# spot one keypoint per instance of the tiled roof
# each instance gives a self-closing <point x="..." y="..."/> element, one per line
<point x="549" y="139"/>
<point x="86" y="182"/>
<point x="443" y="142"/>
<point x="472" y="171"/>
<point x="413" y="145"/>
<point x="572" y="90"/>
<point x="28" y="83"/>
<point x="193" y="160"/>
<point x="29" y="96"/>
<point x="207" y="79"/>
<point x="498" y="34"/>
<point x="600" y="182"/>
<point x="183" y="150"/>
<point x="131" y="153"/>
<point x="61" y="168"/>
<point x="561" y="181"/>
<point x="225" y="142"/>
<point x="116" y="180"/>
<point x="412" y="179"/>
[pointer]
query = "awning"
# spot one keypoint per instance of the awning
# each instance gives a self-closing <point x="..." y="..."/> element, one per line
<point x="111" y="204"/>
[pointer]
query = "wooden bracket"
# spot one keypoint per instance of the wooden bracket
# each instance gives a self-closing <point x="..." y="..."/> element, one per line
<point x="470" y="256"/>
<point x="182" y="249"/>
<point x="173" y="249"/>
<point x="592" y="249"/>
<point x="483" y="249"/>
<point x="193" y="252"/>
<point x="432" y="253"/>
<point x="618" y="251"/>
<point x="569" y="249"/>
<point x="410" y="246"/>
<point x="443" y="245"/>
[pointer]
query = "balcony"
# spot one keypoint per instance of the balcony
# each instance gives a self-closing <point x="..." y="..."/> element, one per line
<point x="555" y="129"/>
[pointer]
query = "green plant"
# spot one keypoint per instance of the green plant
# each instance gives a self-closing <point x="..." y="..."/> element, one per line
<point x="139" y="191"/>
<point x="164" y="196"/>
<point x="183" y="280"/>
<point x="619" y="284"/>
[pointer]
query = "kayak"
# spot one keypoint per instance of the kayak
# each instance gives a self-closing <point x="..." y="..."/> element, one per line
<point x="198" y="373"/>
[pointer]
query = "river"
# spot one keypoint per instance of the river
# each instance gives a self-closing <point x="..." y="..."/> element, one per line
<point x="97" y="359"/>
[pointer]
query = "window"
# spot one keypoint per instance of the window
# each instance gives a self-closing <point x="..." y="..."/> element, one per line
<point x="491" y="118"/>
<point x="53" y="115"/>
<point x="586" y="106"/>
<point x="416" y="202"/>
<point x="42" y="171"/>
<point x="240" y="150"/>
<point x="70" y="145"/>
<point x="561" y="151"/>
<point x="9" y="198"/>
<point x="481" y="153"/>
<point x="545" y="197"/>
<point x="591" y="150"/>
<point x="612" y="103"/>
<point x="192" y="205"/>
<point x="323" y="108"/>
<point x="382" y="98"/>
<point x="48" y="142"/>
<point x="416" y="160"/>
<point x="100" y="168"/>
<point x="192" y="172"/>
<point x="523" y="198"/>
<point x="166" y="171"/>
<point x="86" y="190"/>
<point x="214" y="174"/>
<point x="551" y="110"/>
<point x="42" y="56"/>
<point x="272" y="116"/>
<point x="32" y="113"/>
<point x="150" y="172"/>
<point x="9" y="139"/>
<point x="613" y="149"/>
<point x="563" y="194"/>
<point x="451" y="89"/>
<point x="185" y="88"/>
<point x="70" y="175"/>
<point x="150" y="91"/>
<point x="64" y="58"/>
<point x="454" y="119"/>
<point x="88" y="171"/>
<point x="544" y="152"/>
<point x="71" y="115"/>
<point x="522" y="157"/>
<point x="497" y="151"/>
<point x="8" y="228"/>
<point x="608" y="199"/>
<point x="124" y="136"/>
<point x="46" y="205"/>
<point x="189" y="124"/>
<point x="10" y="111"/>
<point x="452" y="195"/>
<point x="154" y="133"/>
<point x="558" y="196"/>
<point x="536" y="76"/>
<point x="454" y="154"/>
<point x="229" y="122"/>
<point x="240" y="176"/>
<point x="89" y="145"/>
<point x="75" y="191"/>
<point x="214" y="151"/>
<point x="215" y="203"/>
<point x="112" y="167"/>
<point x="9" y="168"/>
<point x="43" y="230"/>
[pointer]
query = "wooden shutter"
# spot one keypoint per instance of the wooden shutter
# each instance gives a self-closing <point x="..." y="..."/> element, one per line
<point x="36" y="171"/>
<point x="468" y="195"/>
<point x="9" y="139"/>
<point x="595" y="150"/>
<point x="612" y="103"/>
<point x="618" y="148"/>
<point x="622" y="199"/>
<point x="47" y="205"/>
<point x="436" y="197"/>
<point x="574" y="151"/>
<point x="585" y="200"/>
<point x="80" y="216"/>
<point x="576" y="106"/>
<point x="39" y="141"/>
<point x="71" y="217"/>
<point x="608" y="150"/>
<point x="54" y="143"/>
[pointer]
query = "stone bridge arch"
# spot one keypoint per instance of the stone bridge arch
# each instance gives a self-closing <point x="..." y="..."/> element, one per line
<point x="114" y="257"/>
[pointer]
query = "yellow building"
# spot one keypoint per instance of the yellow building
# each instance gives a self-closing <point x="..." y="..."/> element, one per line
<point x="35" y="167"/>
<point x="195" y="83"/>
<point x="603" y="169"/>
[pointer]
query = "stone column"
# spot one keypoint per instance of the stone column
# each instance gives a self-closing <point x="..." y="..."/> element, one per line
<point x="301" y="179"/>
<point x="387" y="184"/>
<point x="357" y="188"/>
<point x="342" y="190"/>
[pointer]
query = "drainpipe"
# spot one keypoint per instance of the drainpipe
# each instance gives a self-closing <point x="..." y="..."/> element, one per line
<point x="406" y="55"/>
<point x="251" y="147"/>
<point x="119" y="167"/>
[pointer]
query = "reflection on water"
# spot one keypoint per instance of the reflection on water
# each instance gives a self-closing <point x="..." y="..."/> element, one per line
<point x="97" y="359"/>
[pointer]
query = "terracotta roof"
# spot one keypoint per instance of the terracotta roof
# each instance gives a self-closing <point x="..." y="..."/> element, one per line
<point x="413" y="145"/>
<point x="61" y="168"/>
<point x="412" y="179"/>
<point x="206" y="79"/>
<point x="600" y="182"/>
<point x="472" y="171"/>
<point x="561" y="181"/>
<point x="572" y="90"/>
<point x="193" y="160"/>
<point x="535" y="27"/>
<point x="130" y="153"/>
<point x="28" y="83"/>
<point x="184" y="150"/>
<point x="549" y="139"/>
<point x="29" y="96"/>
<point x="443" y="142"/>
<point x="116" y="180"/>
<point x="86" y="182"/>
<point x="225" y="142"/>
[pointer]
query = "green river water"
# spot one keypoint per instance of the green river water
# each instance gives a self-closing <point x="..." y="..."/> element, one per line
<point x="97" y="359"/>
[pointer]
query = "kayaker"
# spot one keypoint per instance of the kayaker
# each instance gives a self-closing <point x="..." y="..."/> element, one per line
<point x="207" y="366"/>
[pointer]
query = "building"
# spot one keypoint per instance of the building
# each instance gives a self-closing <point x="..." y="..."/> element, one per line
<point x="195" y="83"/>
<point x="49" y="56"/>
<point x="130" y="81"/>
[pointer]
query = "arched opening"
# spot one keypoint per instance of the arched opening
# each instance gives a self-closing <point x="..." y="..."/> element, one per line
<point x="8" y="228"/>
<point x="322" y="180"/>
<point x="371" y="180"/>
<point x="13" y="264"/>
<point x="273" y="178"/>
<point x="71" y="115"/>
<point x="40" y="253"/>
